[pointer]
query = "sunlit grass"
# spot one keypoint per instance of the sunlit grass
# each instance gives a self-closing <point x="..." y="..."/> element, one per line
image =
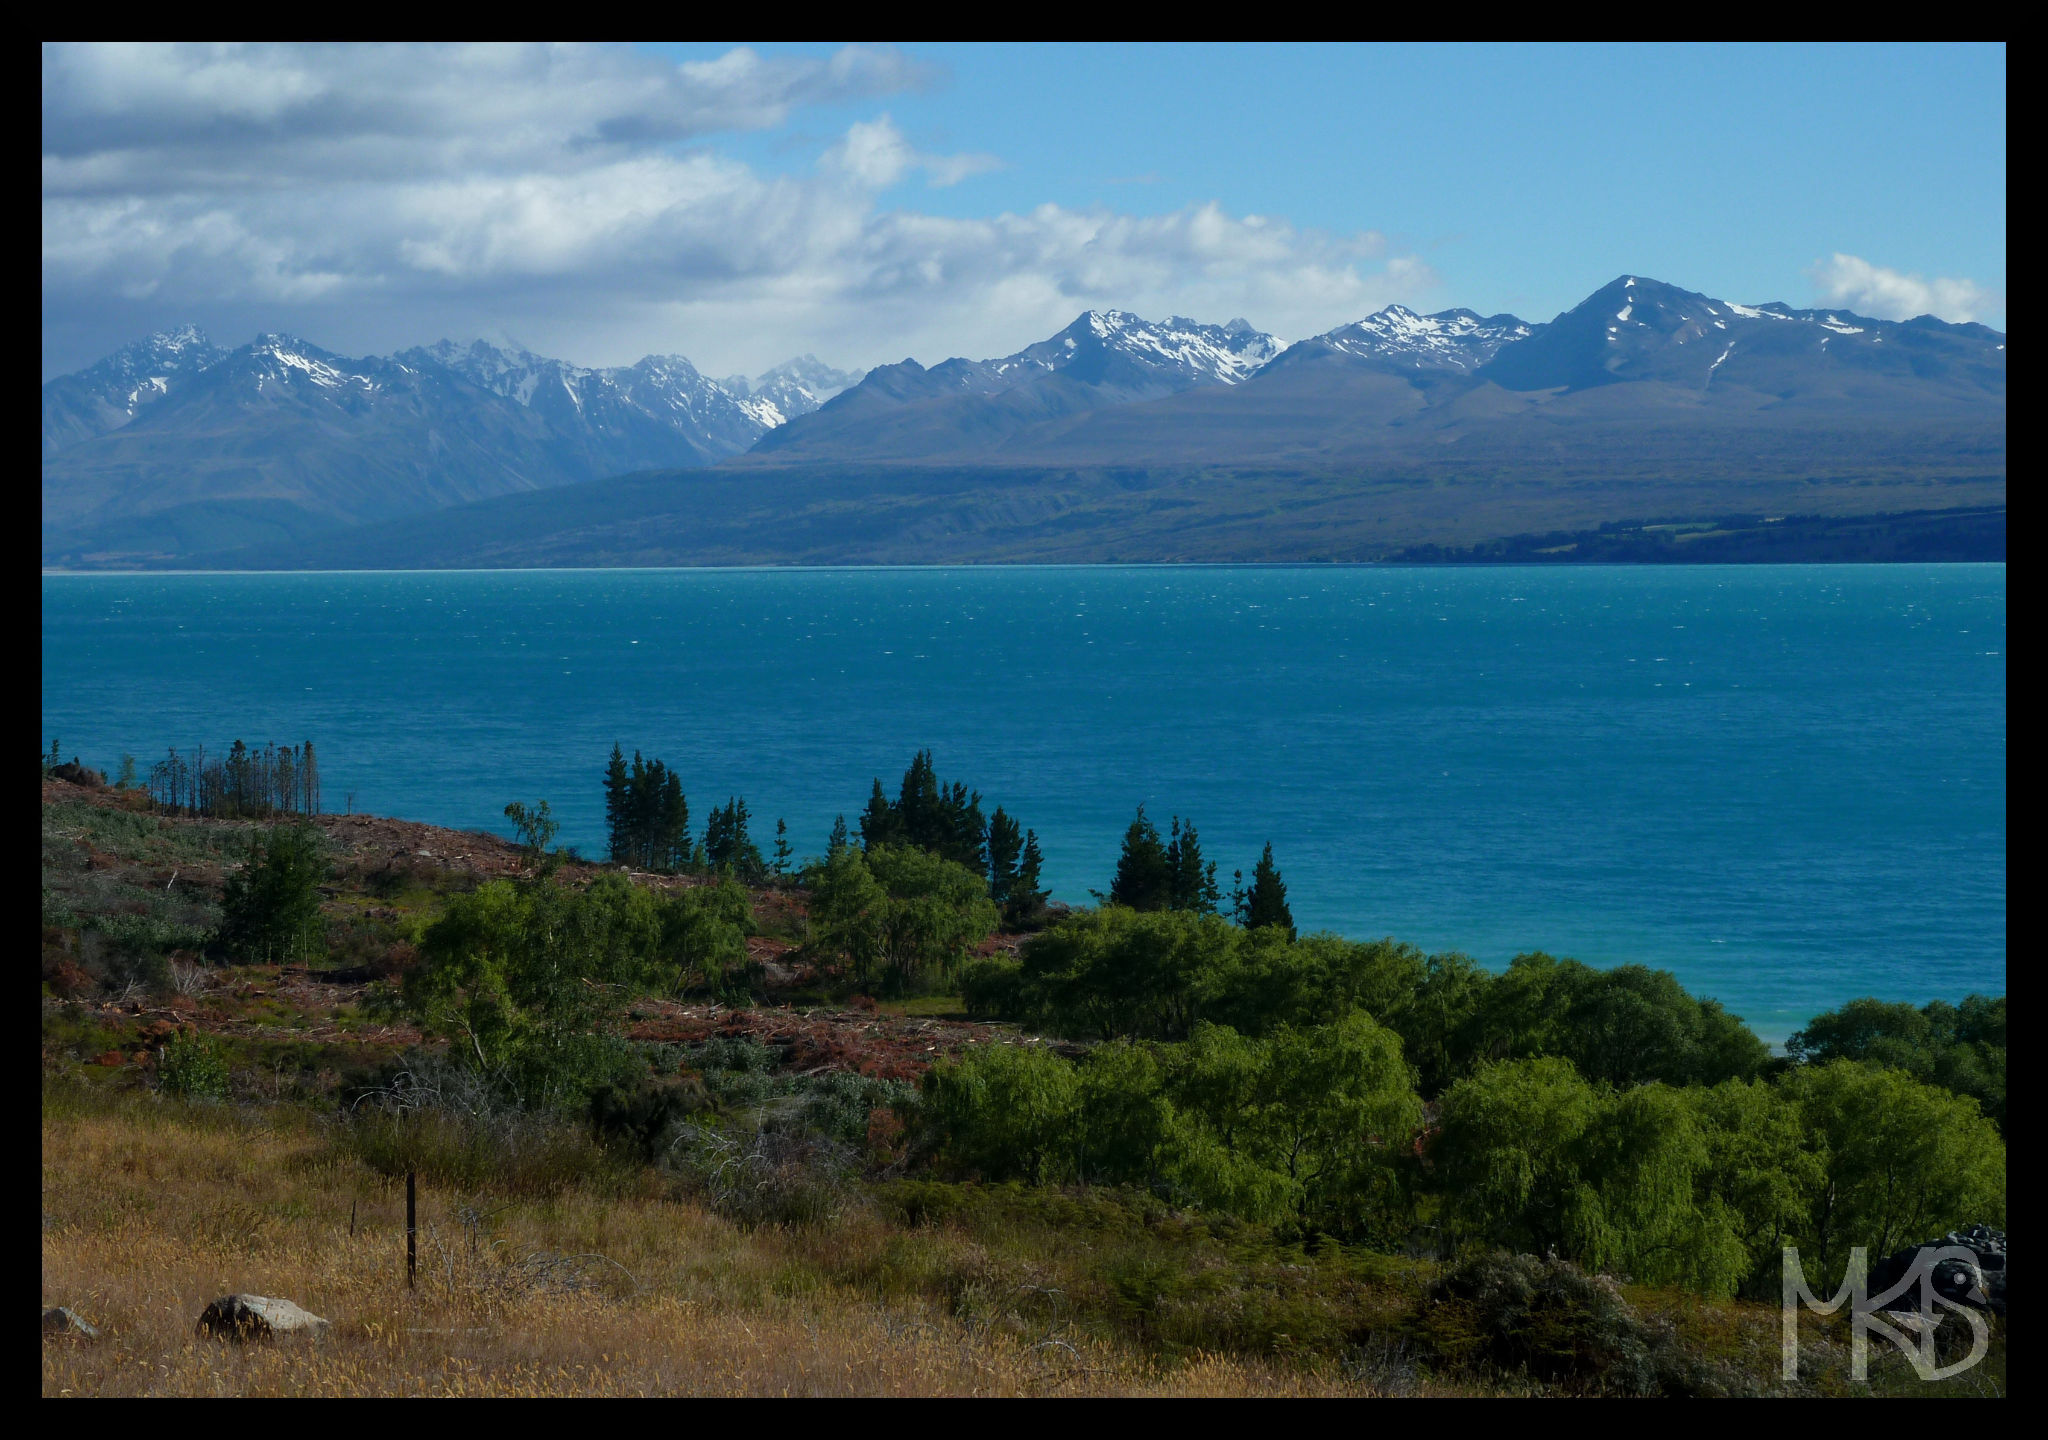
<point x="150" y="1211"/>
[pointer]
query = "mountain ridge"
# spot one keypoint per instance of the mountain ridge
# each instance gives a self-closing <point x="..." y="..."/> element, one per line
<point x="1642" y="391"/>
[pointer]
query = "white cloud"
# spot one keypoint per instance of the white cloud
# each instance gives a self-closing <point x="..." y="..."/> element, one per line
<point x="1853" y="282"/>
<point x="377" y="198"/>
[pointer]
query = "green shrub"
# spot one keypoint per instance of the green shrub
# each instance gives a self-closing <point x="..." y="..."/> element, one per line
<point x="193" y="1068"/>
<point x="900" y="917"/>
<point x="270" y="908"/>
<point x="992" y="987"/>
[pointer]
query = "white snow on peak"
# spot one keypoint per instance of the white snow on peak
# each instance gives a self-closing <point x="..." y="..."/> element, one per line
<point x="1834" y="323"/>
<point x="1451" y="339"/>
<point x="1750" y="312"/>
<point x="1221" y="353"/>
<point x="1625" y="311"/>
<point x="288" y="355"/>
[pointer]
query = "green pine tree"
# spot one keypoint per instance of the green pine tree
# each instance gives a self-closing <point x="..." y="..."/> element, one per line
<point x="616" y="781"/>
<point x="1194" y="882"/>
<point x="839" y="839"/>
<point x="1026" y="899"/>
<point x="1266" y="902"/>
<point x="880" y="823"/>
<point x="782" y="850"/>
<point x="1005" y="846"/>
<point x="1143" y="880"/>
<point x="672" y="831"/>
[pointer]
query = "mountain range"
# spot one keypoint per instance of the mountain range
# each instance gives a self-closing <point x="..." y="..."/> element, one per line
<point x="1117" y="438"/>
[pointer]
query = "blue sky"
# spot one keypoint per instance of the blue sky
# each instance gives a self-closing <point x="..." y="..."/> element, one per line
<point x="740" y="204"/>
<point x="1526" y="176"/>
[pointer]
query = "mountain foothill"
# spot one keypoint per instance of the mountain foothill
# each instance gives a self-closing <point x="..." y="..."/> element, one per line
<point x="1117" y="439"/>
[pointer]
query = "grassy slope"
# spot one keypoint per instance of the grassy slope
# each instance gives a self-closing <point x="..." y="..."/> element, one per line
<point x="550" y="1265"/>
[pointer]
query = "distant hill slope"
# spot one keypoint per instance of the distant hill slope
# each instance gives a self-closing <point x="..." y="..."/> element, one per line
<point x="1116" y="439"/>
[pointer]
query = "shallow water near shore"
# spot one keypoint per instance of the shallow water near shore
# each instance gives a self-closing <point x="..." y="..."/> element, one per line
<point x="1784" y="783"/>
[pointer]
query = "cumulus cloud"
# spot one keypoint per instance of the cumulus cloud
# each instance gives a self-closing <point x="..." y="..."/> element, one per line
<point x="1855" y="283"/>
<point x="373" y="198"/>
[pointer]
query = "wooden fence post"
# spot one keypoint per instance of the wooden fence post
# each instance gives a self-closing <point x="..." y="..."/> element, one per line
<point x="412" y="1253"/>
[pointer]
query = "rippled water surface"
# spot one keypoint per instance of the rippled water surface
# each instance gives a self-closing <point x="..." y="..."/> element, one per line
<point x="1787" y="784"/>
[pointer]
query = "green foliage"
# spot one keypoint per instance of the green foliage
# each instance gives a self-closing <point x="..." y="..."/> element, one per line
<point x="1624" y="1026"/>
<point x="1507" y="1157"/>
<point x="1193" y="882"/>
<point x="1702" y="1187"/>
<point x="1303" y="1126"/>
<point x="193" y="1068"/>
<point x="728" y="848"/>
<point x="1899" y="1160"/>
<point x="704" y="932"/>
<point x="1153" y="975"/>
<point x="536" y="829"/>
<point x="270" y="908"/>
<point x="647" y="817"/>
<point x="1309" y="1118"/>
<point x="992" y="987"/>
<point x="901" y="917"/>
<point x="945" y="819"/>
<point x="1532" y="1157"/>
<point x="1266" y="902"/>
<point x="1116" y="971"/>
<point x="1144" y="878"/>
<point x="1013" y="864"/>
<point x="1005" y="1110"/>
<point x="527" y="982"/>
<point x="1960" y="1048"/>
<point x="1761" y="1174"/>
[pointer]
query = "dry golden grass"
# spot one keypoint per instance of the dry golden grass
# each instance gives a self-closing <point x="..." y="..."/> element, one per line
<point x="151" y="1212"/>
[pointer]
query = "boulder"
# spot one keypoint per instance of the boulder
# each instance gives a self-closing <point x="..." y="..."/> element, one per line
<point x="1980" y="1285"/>
<point x="257" y="1317"/>
<point x="60" y="1320"/>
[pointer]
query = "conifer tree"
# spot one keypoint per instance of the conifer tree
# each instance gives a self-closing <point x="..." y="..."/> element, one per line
<point x="1005" y="845"/>
<point x="728" y="847"/>
<point x="616" y="805"/>
<point x="919" y="805"/>
<point x="1143" y="879"/>
<point x="838" y="840"/>
<point x="1266" y="902"/>
<point x="1194" y="882"/>
<point x="879" y="823"/>
<point x="1025" y="896"/>
<point x="1237" y="896"/>
<point x="673" y="833"/>
<point x="782" y="850"/>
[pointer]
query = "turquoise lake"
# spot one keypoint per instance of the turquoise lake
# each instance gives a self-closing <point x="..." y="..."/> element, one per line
<point x="1784" y="783"/>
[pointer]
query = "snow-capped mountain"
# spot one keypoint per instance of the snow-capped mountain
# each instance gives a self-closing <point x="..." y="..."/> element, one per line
<point x="1105" y="358"/>
<point x="110" y="394"/>
<point x="1638" y="329"/>
<point x="1179" y="353"/>
<point x="282" y="438"/>
<point x="654" y="414"/>
<point x="173" y="447"/>
<point x="1458" y="340"/>
<point x="795" y="387"/>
